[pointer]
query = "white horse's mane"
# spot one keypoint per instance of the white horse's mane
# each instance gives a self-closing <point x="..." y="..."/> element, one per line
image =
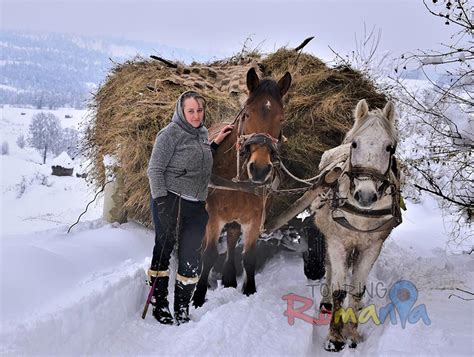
<point x="372" y="116"/>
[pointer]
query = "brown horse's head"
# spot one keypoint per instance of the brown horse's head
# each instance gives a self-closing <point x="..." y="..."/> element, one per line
<point x="261" y="123"/>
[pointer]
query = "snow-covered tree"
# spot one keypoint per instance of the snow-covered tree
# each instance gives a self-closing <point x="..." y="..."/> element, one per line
<point x="442" y="117"/>
<point x="45" y="132"/>
<point x="5" y="148"/>
<point x="69" y="142"/>
<point x="20" y="141"/>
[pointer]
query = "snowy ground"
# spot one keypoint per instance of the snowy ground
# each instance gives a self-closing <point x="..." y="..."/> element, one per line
<point x="83" y="292"/>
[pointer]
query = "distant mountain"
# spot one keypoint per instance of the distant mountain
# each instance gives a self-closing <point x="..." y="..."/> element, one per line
<point x="53" y="70"/>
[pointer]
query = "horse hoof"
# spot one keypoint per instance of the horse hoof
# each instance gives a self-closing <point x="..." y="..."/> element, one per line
<point x="249" y="290"/>
<point x="334" y="346"/>
<point x="352" y="344"/>
<point x="199" y="297"/>
<point x="325" y="308"/>
<point x="198" y="302"/>
<point x="229" y="283"/>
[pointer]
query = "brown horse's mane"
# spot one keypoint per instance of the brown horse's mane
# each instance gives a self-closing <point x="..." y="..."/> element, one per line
<point x="266" y="86"/>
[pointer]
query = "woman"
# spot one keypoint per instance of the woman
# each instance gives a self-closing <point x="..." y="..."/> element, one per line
<point x="179" y="172"/>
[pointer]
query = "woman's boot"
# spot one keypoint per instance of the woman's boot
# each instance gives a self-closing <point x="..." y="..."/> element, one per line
<point x="183" y="292"/>
<point x="161" y="310"/>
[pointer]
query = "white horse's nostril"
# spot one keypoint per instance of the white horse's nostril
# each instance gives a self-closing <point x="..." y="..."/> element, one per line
<point x="374" y="197"/>
<point x="365" y="198"/>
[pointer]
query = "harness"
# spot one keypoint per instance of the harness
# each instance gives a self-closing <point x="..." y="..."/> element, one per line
<point x="389" y="185"/>
<point x="243" y="153"/>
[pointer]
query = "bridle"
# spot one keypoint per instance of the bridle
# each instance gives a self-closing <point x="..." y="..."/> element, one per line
<point x="244" y="142"/>
<point x="243" y="152"/>
<point x="387" y="180"/>
<point x="367" y="173"/>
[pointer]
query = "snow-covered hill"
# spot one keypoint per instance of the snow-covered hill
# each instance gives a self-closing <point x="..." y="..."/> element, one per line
<point x="54" y="70"/>
<point x="83" y="292"/>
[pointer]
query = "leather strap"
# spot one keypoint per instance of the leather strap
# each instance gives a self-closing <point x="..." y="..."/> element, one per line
<point x="346" y="206"/>
<point x="222" y="183"/>
<point x="158" y="273"/>
<point x="187" y="281"/>
<point x="387" y="225"/>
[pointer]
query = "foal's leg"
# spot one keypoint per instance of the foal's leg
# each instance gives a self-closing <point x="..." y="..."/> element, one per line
<point x="337" y="257"/>
<point x="229" y="279"/>
<point x="361" y="269"/>
<point x="251" y="233"/>
<point x="209" y="257"/>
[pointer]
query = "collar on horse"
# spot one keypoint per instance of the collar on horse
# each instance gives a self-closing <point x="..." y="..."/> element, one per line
<point x="394" y="213"/>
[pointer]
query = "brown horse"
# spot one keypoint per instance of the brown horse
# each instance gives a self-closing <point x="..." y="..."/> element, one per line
<point x="244" y="164"/>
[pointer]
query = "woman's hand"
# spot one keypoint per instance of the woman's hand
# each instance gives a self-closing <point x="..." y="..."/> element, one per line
<point x="225" y="131"/>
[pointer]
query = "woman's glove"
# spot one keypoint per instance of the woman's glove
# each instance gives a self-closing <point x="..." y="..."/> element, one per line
<point x="161" y="203"/>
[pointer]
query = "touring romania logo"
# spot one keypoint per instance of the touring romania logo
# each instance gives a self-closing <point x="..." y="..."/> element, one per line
<point x="403" y="296"/>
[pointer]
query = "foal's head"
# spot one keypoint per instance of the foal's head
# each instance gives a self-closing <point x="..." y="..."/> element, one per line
<point x="373" y="140"/>
<point x="263" y="116"/>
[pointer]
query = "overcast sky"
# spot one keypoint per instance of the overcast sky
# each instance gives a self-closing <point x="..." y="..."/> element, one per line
<point x="221" y="27"/>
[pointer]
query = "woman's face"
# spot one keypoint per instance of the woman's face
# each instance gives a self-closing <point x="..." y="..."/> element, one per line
<point x="193" y="111"/>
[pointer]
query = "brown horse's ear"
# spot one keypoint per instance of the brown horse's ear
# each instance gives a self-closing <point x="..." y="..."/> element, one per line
<point x="284" y="83"/>
<point x="389" y="111"/>
<point x="361" y="110"/>
<point x="252" y="80"/>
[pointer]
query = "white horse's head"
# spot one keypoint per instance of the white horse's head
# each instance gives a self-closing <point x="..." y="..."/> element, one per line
<point x="373" y="140"/>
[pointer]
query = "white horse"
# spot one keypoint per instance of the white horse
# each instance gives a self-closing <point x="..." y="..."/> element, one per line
<point x="356" y="212"/>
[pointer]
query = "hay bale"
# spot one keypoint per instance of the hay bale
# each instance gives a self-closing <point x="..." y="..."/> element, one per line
<point x="318" y="111"/>
<point x="138" y="99"/>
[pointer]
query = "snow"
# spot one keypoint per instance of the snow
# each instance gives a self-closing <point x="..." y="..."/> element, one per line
<point x="83" y="292"/>
<point x="110" y="161"/>
<point x="9" y="88"/>
<point x="63" y="160"/>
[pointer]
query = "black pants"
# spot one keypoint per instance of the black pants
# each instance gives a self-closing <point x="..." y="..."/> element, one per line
<point x="193" y="218"/>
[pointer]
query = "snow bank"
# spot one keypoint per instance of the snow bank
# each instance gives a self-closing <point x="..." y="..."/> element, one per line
<point x="83" y="292"/>
<point x="62" y="292"/>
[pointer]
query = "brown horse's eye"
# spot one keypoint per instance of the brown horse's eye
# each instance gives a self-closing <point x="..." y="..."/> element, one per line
<point x="354" y="144"/>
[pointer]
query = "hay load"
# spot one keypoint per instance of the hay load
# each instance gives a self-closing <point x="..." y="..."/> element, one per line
<point x="138" y="99"/>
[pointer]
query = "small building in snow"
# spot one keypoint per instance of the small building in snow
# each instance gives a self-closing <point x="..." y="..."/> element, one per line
<point x="62" y="165"/>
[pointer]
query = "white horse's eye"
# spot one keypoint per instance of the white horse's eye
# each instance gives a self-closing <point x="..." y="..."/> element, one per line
<point x="354" y="144"/>
<point x="389" y="148"/>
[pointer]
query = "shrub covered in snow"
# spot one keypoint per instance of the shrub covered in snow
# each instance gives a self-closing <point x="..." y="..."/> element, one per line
<point x="20" y="141"/>
<point x="69" y="142"/>
<point x="5" y="148"/>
